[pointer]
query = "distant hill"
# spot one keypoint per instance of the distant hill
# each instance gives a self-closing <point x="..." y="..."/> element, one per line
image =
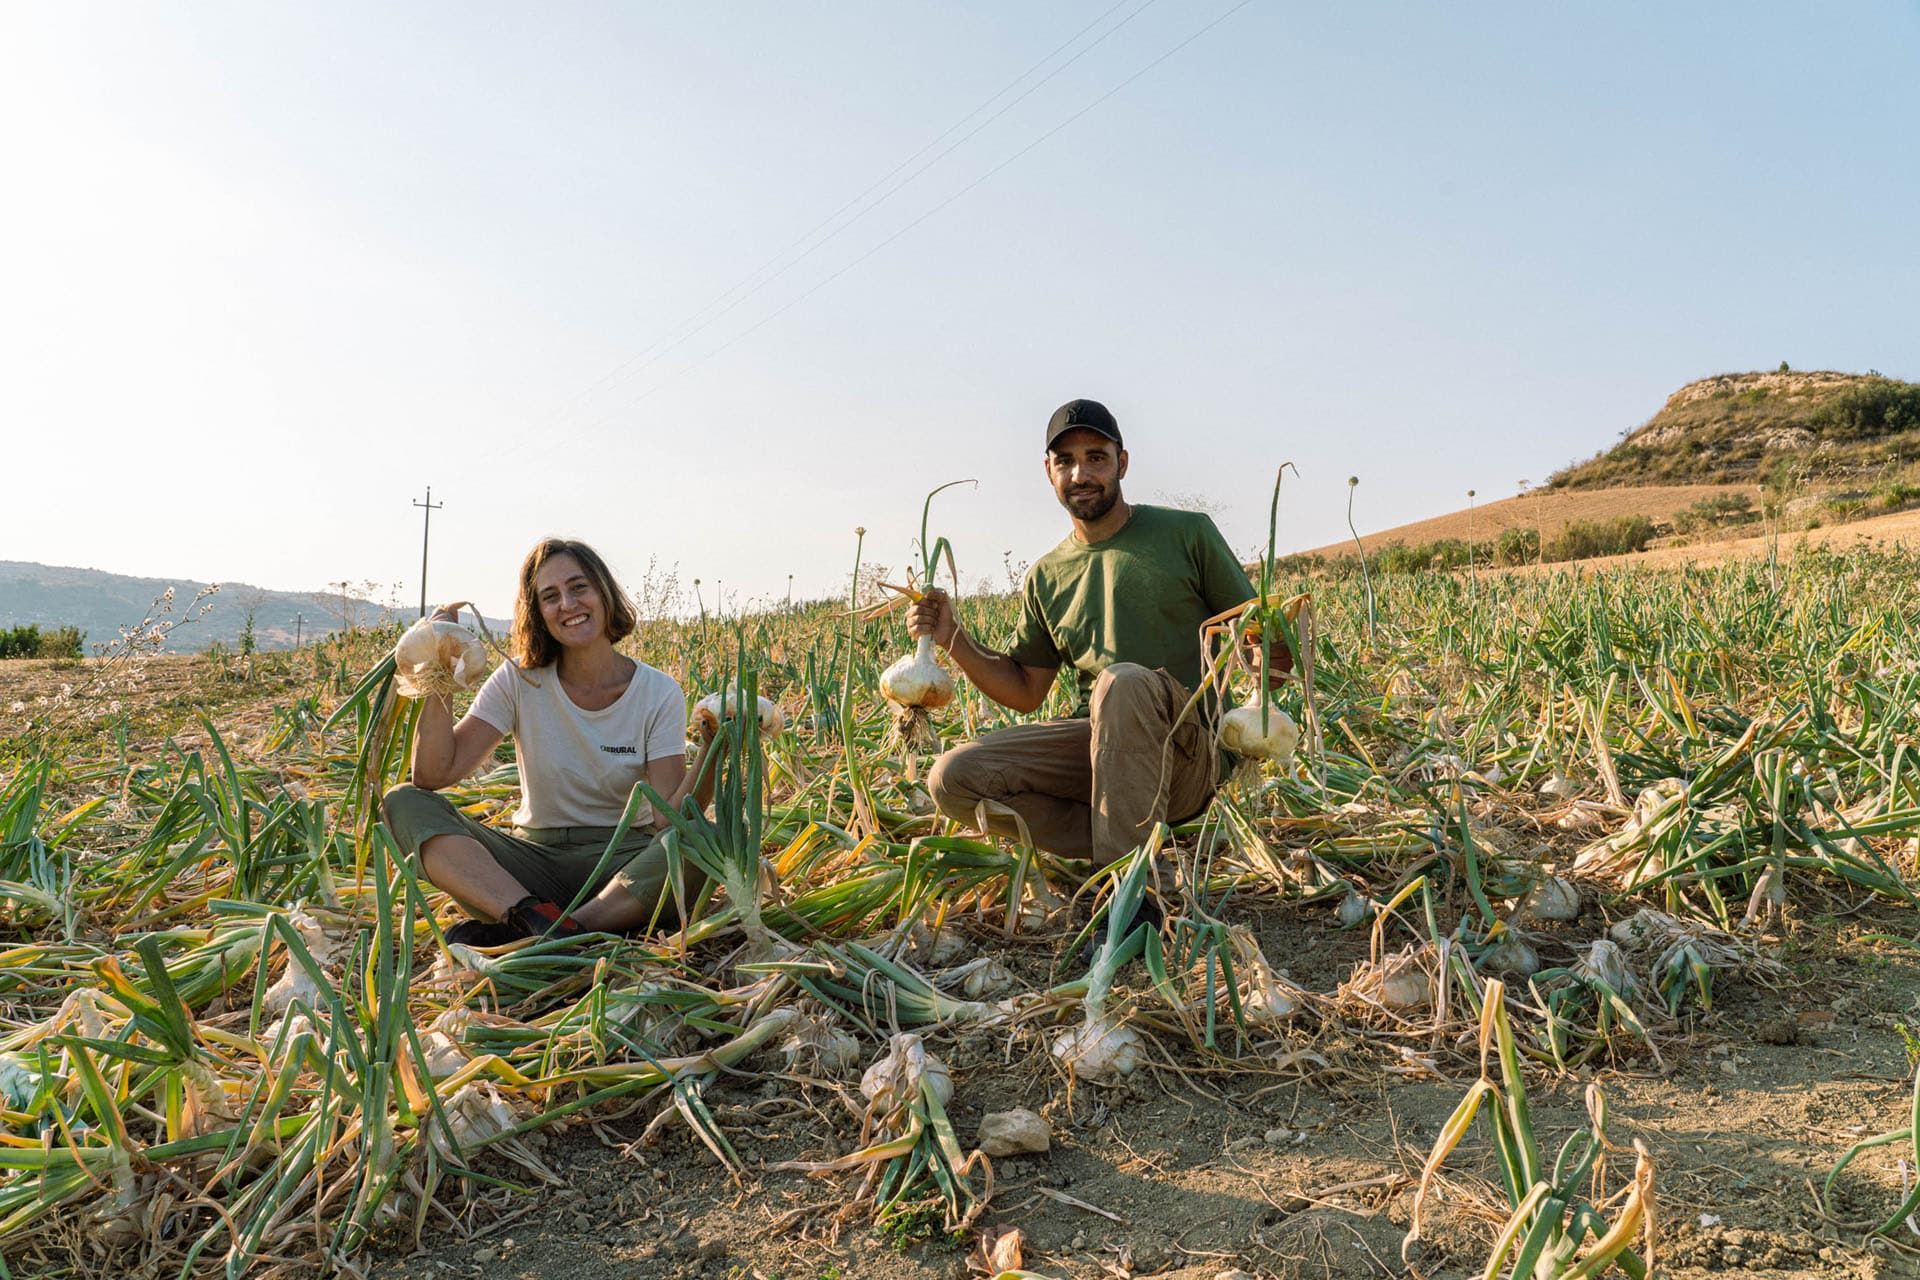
<point x="1737" y="428"/>
<point x="101" y="603"/>
<point x="1546" y="510"/>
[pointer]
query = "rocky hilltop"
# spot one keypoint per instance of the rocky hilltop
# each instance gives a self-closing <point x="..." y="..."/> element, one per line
<point x="1736" y="428"/>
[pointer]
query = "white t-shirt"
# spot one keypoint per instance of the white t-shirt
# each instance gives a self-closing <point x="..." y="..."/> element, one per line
<point x="577" y="767"/>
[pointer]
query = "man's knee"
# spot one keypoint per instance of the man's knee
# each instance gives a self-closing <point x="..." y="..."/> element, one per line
<point x="954" y="780"/>
<point x="1126" y="684"/>
<point x="1122" y="678"/>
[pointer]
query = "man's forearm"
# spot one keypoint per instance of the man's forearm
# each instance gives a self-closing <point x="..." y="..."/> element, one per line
<point x="1000" y="677"/>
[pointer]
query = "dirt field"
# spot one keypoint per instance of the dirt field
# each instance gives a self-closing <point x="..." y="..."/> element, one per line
<point x="1547" y="512"/>
<point x="1195" y="1172"/>
<point x="1900" y="527"/>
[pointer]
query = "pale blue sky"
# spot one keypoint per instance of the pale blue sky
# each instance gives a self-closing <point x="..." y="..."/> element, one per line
<point x="266" y="271"/>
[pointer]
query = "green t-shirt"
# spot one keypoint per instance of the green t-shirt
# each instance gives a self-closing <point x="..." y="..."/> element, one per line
<point x="1139" y="596"/>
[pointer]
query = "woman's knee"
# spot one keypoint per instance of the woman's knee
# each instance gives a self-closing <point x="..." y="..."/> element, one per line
<point x="403" y="804"/>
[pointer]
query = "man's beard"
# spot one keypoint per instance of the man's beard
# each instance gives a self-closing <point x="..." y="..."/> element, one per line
<point x="1093" y="506"/>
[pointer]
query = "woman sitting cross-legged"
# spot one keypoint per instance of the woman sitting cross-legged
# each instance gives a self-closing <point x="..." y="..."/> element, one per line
<point x="588" y="723"/>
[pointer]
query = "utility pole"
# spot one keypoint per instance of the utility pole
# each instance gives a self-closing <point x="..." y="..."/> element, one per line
<point x="426" y="526"/>
<point x="299" y="620"/>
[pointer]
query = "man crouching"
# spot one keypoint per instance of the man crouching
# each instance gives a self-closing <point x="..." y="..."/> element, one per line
<point x="1121" y="600"/>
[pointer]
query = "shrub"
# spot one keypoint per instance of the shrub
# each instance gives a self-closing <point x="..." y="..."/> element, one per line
<point x="1877" y="407"/>
<point x="1584" y="539"/>
<point x="1711" y="513"/>
<point x="1896" y="494"/>
<point x="63" y="642"/>
<point x="1517" y="546"/>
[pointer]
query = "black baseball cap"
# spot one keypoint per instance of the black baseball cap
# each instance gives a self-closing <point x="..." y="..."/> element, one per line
<point x="1090" y="414"/>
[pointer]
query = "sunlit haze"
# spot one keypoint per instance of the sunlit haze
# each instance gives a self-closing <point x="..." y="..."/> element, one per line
<point x="617" y="272"/>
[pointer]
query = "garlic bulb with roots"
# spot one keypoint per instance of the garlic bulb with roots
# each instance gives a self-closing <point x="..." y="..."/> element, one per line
<point x="476" y="1112"/>
<point x="1240" y="732"/>
<point x="715" y="707"/>
<point x="1267" y="998"/>
<point x="1405" y="984"/>
<point x="438" y="658"/>
<point x="1606" y="963"/>
<point x="917" y="685"/>
<point x="1510" y="953"/>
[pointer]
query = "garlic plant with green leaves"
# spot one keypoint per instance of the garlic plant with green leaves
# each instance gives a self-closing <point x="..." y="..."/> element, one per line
<point x="917" y="685"/>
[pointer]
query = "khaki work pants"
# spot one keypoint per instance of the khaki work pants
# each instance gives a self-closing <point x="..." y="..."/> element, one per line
<point x="1086" y="788"/>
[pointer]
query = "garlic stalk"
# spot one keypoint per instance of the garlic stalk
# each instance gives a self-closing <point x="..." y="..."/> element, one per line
<point x="917" y="685"/>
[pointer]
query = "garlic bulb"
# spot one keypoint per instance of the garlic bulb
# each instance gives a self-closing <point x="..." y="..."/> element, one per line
<point x="1240" y="732"/>
<point x="817" y="1044"/>
<point x="296" y="983"/>
<point x="1354" y="907"/>
<point x="710" y="710"/>
<point x="1607" y="963"/>
<point x="980" y="978"/>
<point x="894" y="1080"/>
<point x="1510" y="953"/>
<point x="1102" y="1050"/>
<point x="476" y="1112"/>
<point x="917" y="685"/>
<point x="438" y="658"/>
<point x="1265" y="997"/>
<point x="1553" y="898"/>
<point x="917" y="680"/>
<point x="1404" y="984"/>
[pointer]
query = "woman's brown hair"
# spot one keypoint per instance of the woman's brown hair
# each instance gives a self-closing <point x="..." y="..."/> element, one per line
<point x="532" y="644"/>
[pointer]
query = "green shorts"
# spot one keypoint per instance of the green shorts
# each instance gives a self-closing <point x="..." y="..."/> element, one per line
<point x="555" y="863"/>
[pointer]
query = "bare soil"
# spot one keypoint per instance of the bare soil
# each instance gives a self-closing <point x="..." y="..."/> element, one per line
<point x="1899" y="527"/>
<point x="1200" y="1167"/>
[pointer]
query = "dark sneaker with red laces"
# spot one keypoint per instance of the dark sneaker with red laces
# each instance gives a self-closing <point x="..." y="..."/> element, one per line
<point x="536" y="916"/>
<point x="484" y="933"/>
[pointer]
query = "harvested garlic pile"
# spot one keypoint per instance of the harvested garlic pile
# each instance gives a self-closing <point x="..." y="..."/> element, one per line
<point x="712" y="709"/>
<point x="438" y="658"/>
<point x="917" y="685"/>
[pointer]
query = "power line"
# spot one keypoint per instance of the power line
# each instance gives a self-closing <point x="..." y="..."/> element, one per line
<point x="950" y="199"/>
<point x="753" y="282"/>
